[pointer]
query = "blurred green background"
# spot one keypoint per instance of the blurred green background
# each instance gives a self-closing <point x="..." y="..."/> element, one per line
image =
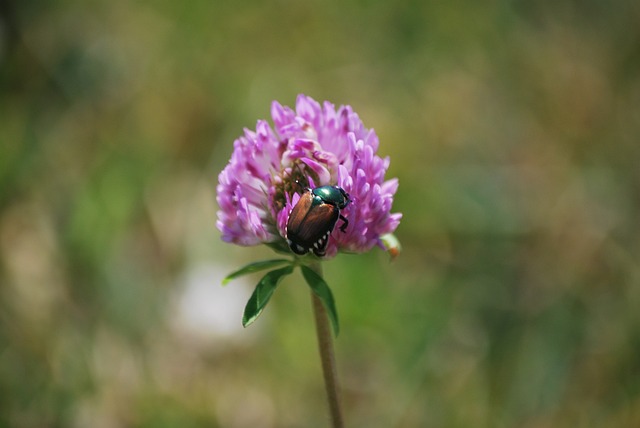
<point x="513" y="127"/>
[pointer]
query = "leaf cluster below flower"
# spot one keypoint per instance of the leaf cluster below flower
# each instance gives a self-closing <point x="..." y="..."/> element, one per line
<point x="270" y="281"/>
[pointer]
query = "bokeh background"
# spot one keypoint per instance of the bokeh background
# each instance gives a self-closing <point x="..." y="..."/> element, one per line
<point x="513" y="127"/>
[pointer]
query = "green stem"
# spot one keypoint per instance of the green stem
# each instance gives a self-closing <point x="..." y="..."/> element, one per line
<point x="327" y="356"/>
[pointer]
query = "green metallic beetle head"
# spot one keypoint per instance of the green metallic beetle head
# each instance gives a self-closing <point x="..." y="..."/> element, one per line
<point x="333" y="195"/>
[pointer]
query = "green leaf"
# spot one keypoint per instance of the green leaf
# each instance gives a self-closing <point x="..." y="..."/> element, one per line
<point x="263" y="292"/>
<point x="254" y="267"/>
<point x="322" y="290"/>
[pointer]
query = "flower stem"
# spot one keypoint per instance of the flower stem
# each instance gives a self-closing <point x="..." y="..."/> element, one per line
<point x="327" y="356"/>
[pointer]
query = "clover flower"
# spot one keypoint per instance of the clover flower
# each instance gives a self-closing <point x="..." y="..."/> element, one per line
<point x="315" y="145"/>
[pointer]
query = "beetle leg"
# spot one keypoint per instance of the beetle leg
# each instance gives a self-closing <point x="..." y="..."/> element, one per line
<point x="343" y="228"/>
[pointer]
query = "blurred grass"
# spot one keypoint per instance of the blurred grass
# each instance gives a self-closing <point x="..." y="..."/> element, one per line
<point x="513" y="127"/>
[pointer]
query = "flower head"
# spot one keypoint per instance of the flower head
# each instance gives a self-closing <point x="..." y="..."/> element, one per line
<point x="315" y="145"/>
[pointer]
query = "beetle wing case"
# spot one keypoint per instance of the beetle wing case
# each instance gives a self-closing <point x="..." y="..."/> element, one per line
<point x="299" y="212"/>
<point x="310" y="225"/>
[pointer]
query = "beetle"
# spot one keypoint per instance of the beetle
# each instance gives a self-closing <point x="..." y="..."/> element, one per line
<point x="314" y="217"/>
